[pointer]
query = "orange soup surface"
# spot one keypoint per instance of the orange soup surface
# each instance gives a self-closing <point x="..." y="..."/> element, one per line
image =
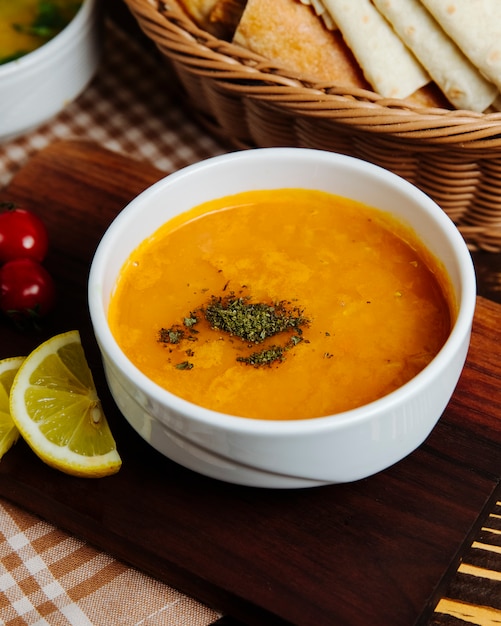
<point x="353" y="303"/>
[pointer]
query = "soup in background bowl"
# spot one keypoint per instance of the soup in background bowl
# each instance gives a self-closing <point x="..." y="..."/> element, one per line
<point x="25" y="25"/>
<point x="38" y="84"/>
<point x="306" y="449"/>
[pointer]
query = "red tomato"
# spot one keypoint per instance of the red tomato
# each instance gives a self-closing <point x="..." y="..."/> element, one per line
<point x="26" y="289"/>
<point x="22" y="235"/>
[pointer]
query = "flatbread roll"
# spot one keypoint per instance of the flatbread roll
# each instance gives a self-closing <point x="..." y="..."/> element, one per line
<point x="289" y="33"/>
<point x="199" y="10"/>
<point x="457" y="77"/>
<point x="218" y="17"/>
<point x="475" y="26"/>
<point x="388" y="65"/>
<point x="322" y="13"/>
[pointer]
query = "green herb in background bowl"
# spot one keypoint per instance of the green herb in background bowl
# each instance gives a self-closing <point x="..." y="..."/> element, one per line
<point x="25" y="25"/>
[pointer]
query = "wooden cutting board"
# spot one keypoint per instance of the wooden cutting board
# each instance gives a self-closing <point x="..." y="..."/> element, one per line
<point x="379" y="551"/>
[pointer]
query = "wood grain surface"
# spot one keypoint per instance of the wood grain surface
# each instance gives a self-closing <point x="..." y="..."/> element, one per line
<point x="473" y="595"/>
<point x="379" y="551"/>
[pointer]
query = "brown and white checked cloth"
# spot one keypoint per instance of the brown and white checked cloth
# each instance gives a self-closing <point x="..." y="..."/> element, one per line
<point x="126" y="108"/>
<point x="50" y="578"/>
<point x="47" y="577"/>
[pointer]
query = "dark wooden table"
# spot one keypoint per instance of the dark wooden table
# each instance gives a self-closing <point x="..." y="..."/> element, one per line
<point x="380" y="551"/>
<point x="383" y="551"/>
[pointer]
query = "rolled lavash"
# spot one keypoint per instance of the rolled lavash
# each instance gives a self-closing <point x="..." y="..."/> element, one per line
<point x="388" y="65"/>
<point x="218" y="17"/>
<point x="291" y="34"/>
<point x="322" y="13"/>
<point x="200" y="10"/>
<point x="448" y="66"/>
<point x="475" y="26"/>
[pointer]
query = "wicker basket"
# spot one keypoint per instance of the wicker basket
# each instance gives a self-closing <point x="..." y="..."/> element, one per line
<point x="454" y="156"/>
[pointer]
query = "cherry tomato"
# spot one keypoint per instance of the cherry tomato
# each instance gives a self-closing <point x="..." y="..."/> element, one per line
<point x="26" y="289"/>
<point x="22" y="234"/>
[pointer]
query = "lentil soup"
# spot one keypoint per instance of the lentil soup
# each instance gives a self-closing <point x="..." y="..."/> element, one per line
<point x="281" y="304"/>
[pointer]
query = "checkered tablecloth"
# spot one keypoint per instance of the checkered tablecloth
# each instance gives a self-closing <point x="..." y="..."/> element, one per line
<point x="48" y="578"/>
<point x="127" y="108"/>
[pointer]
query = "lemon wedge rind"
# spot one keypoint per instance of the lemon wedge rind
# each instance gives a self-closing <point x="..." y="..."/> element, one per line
<point x="9" y="432"/>
<point x="55" y="406"/>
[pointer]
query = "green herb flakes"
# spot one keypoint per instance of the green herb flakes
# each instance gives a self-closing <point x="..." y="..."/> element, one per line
<point x="184" y="365"/>
<point x="264" y="357"/>
<point x="174" y="334"/>
<point x="253" y="322"/>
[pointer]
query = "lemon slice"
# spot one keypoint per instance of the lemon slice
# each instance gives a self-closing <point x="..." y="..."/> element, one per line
<point x="9" y="433"/>
<point x="54" y="404"/>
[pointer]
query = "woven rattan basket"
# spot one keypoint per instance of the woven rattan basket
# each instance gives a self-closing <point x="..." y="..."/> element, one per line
<point x="454" y="156"/>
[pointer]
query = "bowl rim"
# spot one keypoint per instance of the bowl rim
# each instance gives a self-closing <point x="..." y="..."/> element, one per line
<point x="66" y="35"/>
<point x="255" y="426"/>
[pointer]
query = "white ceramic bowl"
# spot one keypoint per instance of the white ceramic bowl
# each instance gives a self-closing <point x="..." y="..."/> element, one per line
<point x="40" y="84"/>
<point x="303" y="453"/>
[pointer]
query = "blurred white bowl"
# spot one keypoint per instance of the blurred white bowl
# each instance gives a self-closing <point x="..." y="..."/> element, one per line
<point x="41" y="83"/>
<point x="300" y="453"/>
